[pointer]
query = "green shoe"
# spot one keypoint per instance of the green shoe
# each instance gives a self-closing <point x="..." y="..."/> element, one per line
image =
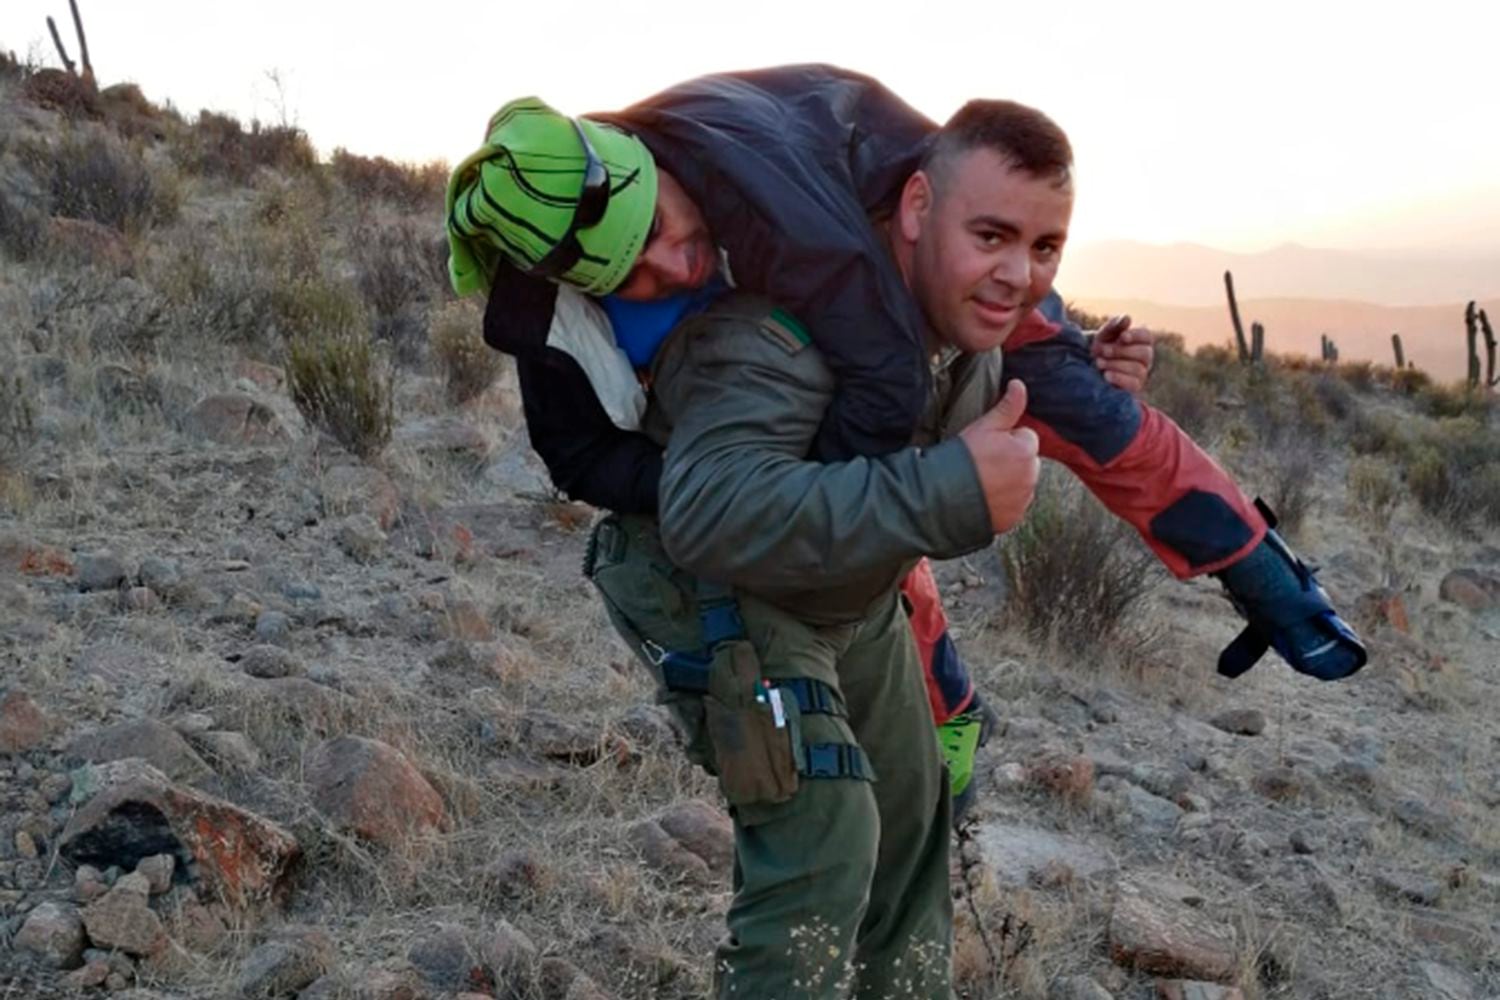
<point x="959" y="739"/>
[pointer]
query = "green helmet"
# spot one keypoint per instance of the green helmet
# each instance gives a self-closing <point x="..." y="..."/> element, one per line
<point x="518" y="194"/>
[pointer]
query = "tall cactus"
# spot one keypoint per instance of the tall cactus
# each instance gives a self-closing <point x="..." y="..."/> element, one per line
<point x="1257" y="343"/>
<point x="1471" y="328"/>
<point x="1400" y="354"/>
<point x="1330" y="350"/>
<point x="1234" y="314"/>
<point x="1490" y="379"/>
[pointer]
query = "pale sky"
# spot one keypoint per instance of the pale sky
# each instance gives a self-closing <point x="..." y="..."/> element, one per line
<point x="1241" y="126"/>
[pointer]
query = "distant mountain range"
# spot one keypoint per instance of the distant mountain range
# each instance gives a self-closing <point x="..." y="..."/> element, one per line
<point x="1186" y="274"/>
<point x="1432" y="336"/>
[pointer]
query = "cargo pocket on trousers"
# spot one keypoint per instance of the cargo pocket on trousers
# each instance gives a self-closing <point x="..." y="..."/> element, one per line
<point x="754" y="730"/>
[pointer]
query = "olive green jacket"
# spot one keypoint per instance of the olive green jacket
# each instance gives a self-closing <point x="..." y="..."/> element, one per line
<point x="738" y="394"/>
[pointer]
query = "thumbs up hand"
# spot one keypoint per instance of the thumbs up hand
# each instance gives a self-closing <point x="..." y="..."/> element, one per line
<point x="1005" y="457"/>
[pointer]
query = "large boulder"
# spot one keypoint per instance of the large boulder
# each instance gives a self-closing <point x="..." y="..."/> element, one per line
<point x="137" y="812"/>
<point x="1158" y="933"/>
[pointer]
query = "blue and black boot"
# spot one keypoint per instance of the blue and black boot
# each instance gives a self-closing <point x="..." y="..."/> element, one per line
<point x="1288" y="611"/>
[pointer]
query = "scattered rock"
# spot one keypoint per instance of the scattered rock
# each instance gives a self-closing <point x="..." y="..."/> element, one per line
<point x="360" y="537"/>
<point x="101" y="571"/>
<point x="1017" y="854"/>
<point x="1471" y="588"/>
<point x="448" y="960"/>
<point x="286" y="964"/>
<point x="1446" y="983"/>
<point x="228" y="751"/>
<point x="88" y="884"/>
<point x="273" y="627"/>
<point x="1465" y="933"/>
<point x="1183" y="989"/>
<point x="1068" y="776"/>
<point x="54" y="931"/>
<point x="444" y="438"/>
<point x="263" y="376"/>
<point x="140" y="599"/>
<point x="26" y="845"/>
<point x="1410" y="886"/>
<point x="1240" y="721"/>
<point x="666" y="854"/>
<point x="509" y="953"/>
<point x="562" y="980"/>
<point x="234" y="418"/>
<point x="91" y="974"/>
<point x="1280" y="784"/>
<point x="649" y="726"/>
<point x="703" y="829"/>
<point x="161" y="575"/>
<point x="155" y="742"/>
<point x="138" y="812"/>
<point x="1077" y="988"/>
<point x="267" y="661"/>
<point x="372" y="789"/>
<point x="158" y="870"/>
<point x="22" y="725"/>
<point x="515" y="873"/>
<point x="122" y="918"/>
<point x="551" y="735"/>
<point x="1159" y="935"/>
<point x="359" y="489"/>
<point x="1302" y="842"/>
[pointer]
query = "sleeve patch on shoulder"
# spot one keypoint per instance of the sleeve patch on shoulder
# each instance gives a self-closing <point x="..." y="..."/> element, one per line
<point x="783" y="327"/>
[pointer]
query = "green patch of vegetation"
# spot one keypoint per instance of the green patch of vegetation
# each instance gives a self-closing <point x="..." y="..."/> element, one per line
<point x="469" y="365"/>
<point x="342" y="386"/>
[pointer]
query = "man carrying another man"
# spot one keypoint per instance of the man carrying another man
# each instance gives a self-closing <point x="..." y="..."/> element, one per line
<point x="813" y="678"/>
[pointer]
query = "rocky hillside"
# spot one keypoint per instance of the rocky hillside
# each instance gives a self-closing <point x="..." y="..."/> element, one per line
<point x="302" y="693"/>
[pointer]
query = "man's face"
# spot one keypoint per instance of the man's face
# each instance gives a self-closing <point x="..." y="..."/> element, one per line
<point x="679" y="254"/>
<point x="984" y="244"/>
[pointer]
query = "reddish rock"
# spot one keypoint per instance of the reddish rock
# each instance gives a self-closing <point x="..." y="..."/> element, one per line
<point x="703" y="829"/>
<point x="665" y="853"/>
<point x="32" y="558"/>
<point x="372" y="789"/>
<point x="1162" y="936"/>
<point x="1471" y="588"/>
<point x="92" y="974"/>
<point x="359" y="489"/>
<point x="1066" y="775"/>
<point x="236" y="419"/>
<point x="22" y="725"/>
<point x="238" y="857"/>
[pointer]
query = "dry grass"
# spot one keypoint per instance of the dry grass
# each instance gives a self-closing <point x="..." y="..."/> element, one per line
<point x="343" y="387"/>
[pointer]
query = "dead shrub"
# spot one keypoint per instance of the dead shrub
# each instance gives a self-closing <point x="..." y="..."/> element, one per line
<point x="1374" y="489"/>
<point x="343" y="387"/>
<point x="469" y="364"/>
<point x="400" y="275"/>
<point x="17" y="421"/>
<point x="1073" y="571"/>
<point x="90" y="173"/>
<point x="126" y="108"/>
<point x="374" y="178"/>
<point x="1410" y="381"/>
<point x="1291" y="494"/>
<point x="23" y="228"/>
<point x="1454" y="399"/>
<point x="1358" y="375"/>
<point x="74" y="97"/>
<point x="1178" y="388"/>
<point x="219" y="146"/>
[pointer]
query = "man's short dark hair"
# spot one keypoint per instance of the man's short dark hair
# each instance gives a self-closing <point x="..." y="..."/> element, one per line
<point x="1026" y="138"/>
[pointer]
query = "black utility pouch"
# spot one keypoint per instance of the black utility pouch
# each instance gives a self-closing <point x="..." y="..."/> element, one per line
<point x="753" y="728"/>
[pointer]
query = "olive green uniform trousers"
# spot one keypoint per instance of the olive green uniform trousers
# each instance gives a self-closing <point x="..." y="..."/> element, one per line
<point x="839" y="799"/>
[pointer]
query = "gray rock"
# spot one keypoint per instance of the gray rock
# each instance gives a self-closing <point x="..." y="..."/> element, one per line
<point x="1409" y="886"/>
<point x="89" y="884"/>
<point x="448" y="438"/>
<point x="285" y="965"/>
<point x="1446" y="983"/>
<point x="1017" y="854"/>
<point x="272" y="627"/>
<point x="301" y="590"/>
<point x="267" y="661"/>
<point x="1241" y="721"/>
<point x="122" y="918"/>
<point x="158" y="870"/>
<point x="53" y="931"/>
<point x="448" y="960"/>
<point x="361" y="538"/>
<point x="229" y="751"/>
<point x="101" y="571"/>
<point x="1077" y="988"/>
<point x="153" y="741"/>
